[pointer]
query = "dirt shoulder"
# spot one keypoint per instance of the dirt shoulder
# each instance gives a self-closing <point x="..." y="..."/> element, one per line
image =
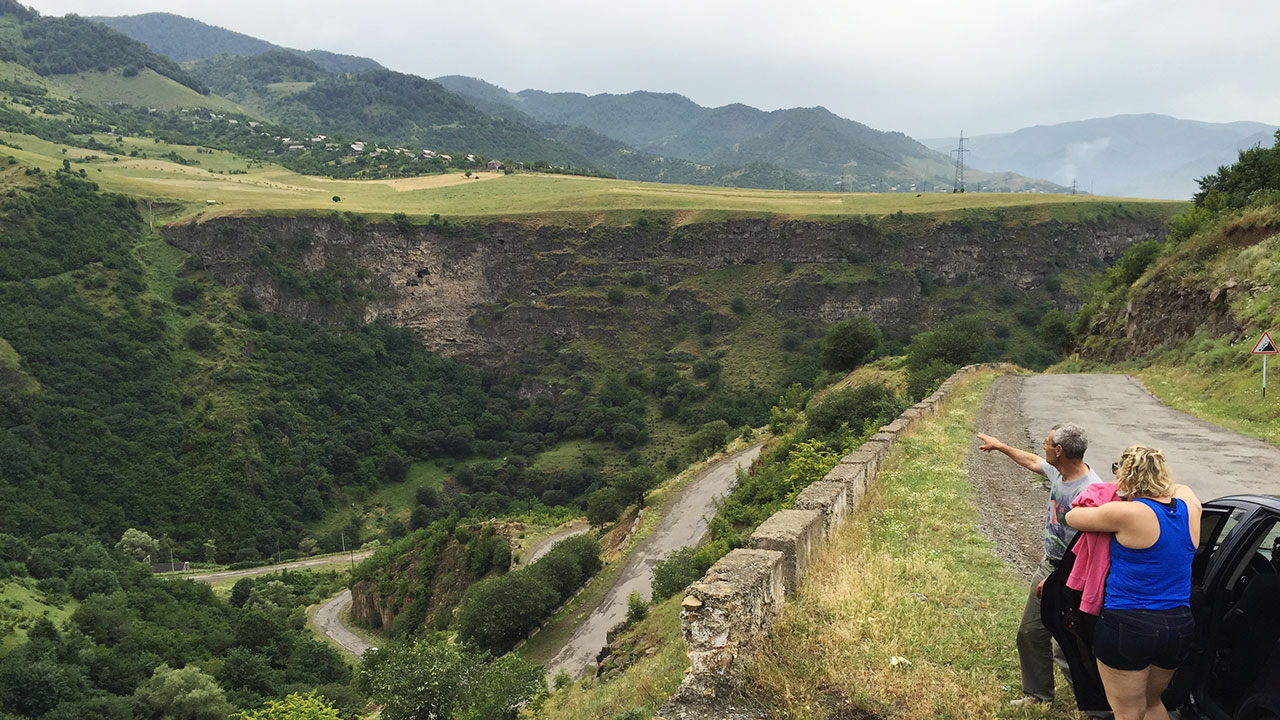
<point x="1011" y="501"/>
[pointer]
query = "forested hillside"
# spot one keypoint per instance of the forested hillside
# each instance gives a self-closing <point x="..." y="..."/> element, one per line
<point x="70" y="44"/>
<point x="184" y="39"/>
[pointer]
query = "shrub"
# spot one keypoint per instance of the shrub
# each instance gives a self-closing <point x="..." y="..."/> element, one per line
<point x="709" y="438"/>
<point x="1134" y="262"/>
<point x="738" y="305"/>
<point x="616" y="296"/>
<point x="674" y="572"/>
<point x="637" y="608"/>
<point x="922" y="381"/>
<point x="849" y="343"/>
<point x="201" y="337"/>
<point x="635" y="279"/>
<point x="185" y="292"/>
<point x="869" y="402"/>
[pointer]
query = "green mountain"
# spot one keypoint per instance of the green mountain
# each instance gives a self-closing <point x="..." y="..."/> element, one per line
<point x="812" y="142"/>
<point x="72" y="44"/>
<point x="1153" y="156"/>
<point x="185" y="39"/>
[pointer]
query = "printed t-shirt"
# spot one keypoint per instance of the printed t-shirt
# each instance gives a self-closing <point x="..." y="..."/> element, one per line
<point x="1057" y="534"/>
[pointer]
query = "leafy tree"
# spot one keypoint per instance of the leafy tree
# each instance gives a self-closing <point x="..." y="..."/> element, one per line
<point x="138" y="545"/>
<point x="294" y="706"/>
<point x="1257" y="169"/>
<point x="240" y="592"/>
<point x="498" y="612"/>
<point x="183" y="694"/>
<point x="633" y="485"/>
<point x="604" y="506"/>
<point x="849" y="343"/>
<point x="709" y="438"/>
<point x="674" y="572"/>
<point x="430" y="679"/>
<point x="201" y="337"/>
<point x="503" y="688"/>
<point x="84" y="582"/>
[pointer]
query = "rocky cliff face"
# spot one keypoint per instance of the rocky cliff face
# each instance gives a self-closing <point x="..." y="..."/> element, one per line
<point x="490" y="293"/>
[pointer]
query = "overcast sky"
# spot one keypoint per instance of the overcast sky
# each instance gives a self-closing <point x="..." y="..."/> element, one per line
<point x="925" y="68"/>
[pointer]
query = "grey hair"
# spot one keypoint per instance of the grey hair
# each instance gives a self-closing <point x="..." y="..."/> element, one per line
<point x="1072" y="439"/>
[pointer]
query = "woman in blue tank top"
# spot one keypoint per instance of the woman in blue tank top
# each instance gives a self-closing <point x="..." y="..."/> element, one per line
<point x="1146" y="628"/>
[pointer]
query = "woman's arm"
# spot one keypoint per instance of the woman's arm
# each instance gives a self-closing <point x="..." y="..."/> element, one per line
<point x="1111" y="517"/>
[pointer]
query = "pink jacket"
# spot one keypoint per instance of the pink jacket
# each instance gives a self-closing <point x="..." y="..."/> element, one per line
<point x="1093" y="552"/>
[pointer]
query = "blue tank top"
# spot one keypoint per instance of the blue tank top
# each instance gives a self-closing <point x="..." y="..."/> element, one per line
<point x="1158" y="577"/>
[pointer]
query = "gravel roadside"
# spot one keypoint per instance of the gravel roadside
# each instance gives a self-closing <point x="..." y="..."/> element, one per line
<point x="1011" y="501"/>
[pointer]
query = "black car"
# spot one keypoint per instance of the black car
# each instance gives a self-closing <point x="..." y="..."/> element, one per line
<point x="1234" y="671"/>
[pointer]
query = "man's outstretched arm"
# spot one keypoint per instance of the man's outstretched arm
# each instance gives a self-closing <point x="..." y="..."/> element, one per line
<point x="1030" y="461"/>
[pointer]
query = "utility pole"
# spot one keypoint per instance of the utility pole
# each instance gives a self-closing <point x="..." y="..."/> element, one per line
<point x="958" y="186"/>
<point x="1073" y="186"/>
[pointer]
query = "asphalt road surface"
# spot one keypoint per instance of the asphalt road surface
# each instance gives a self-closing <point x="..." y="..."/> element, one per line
<point x="684" y="523"/>
<point x="328" y="620"/>
<point x="266" y="569"/>
<point x="1116" y="411"/>
<point x="545" y="546"/>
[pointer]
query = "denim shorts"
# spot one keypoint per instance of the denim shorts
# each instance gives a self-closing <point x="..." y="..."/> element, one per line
<point x="1137" y="639"/>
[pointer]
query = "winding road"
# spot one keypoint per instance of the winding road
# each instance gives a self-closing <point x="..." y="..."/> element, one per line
<point x="683" y="523"/>
<point x="328" y="620"/>
<point x="267" y="569"/>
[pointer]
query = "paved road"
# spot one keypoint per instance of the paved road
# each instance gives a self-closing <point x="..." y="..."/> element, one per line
<point x="265" y="569"/>
<point x="1117" y="412"/>
<point x="328" y="620"/>
<point x="684" y="523"/>
<point x="579" y="527"/>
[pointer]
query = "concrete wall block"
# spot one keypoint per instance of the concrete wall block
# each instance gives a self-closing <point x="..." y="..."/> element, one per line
<point x="899" y="426"/>
<point x="849" y="473"/>
<point x="867" y="456"/>
<point x="727" y="613"/>
<point x="831" y="498"/>
<point x="794" y="533"/>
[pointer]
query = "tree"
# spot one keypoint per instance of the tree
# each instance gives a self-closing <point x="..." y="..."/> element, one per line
<point x="856" y="406"/>
<point x="499" y="612"/>
<point x="418" y="681"/>
<point x="240" y="592"/>
<point x="604" y="506"/>
<point x="337" y="199"/>
<point x="138" y="545"/>
<point x="185" y="694"/>
<point x="849" y="343"/>
<point x="633" y="485"/>
<point x="294" y="706"/>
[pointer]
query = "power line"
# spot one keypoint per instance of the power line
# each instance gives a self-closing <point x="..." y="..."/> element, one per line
<point x="958" y="186"/>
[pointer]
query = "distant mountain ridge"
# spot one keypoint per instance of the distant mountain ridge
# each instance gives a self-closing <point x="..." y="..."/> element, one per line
<point x="1149" y="155"/>
<point x="185" y="39"/>
<point x="813" y="142"/>
<point x="661" y="137"/>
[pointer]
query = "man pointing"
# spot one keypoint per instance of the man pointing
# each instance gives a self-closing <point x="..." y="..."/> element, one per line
<point x="1063" y="464"/>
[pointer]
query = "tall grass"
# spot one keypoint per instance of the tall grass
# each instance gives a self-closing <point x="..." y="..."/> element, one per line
<point x="907" y="613"/>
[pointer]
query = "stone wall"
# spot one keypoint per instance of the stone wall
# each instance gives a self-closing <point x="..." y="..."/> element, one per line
<point x="727" y="614"/>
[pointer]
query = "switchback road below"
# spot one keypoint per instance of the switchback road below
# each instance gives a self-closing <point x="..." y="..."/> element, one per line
<point x="683" y="523"/>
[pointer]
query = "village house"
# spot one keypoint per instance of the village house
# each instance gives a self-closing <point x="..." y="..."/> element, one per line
<point x="495" y="165"/>
<point x="357" y="146"/>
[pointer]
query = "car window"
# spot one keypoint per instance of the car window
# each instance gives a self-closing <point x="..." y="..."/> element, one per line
<point x="1260" y="557"/>
<point x="1215" y="525"/>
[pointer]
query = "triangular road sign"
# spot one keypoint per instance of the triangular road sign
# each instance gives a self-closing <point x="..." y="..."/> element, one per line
<point x="1265" y="346"/>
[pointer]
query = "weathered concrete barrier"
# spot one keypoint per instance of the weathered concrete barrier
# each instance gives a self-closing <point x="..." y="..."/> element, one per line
<point x="727" y="614"/>
<point x="794" y="533"/>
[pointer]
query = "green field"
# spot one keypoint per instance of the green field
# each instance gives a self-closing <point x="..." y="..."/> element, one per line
<point x="529" y="198"/>
<point x="21" y="604"/>
<point x="146" y="89"/>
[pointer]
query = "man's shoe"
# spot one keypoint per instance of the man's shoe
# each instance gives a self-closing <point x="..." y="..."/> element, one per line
<point x="1028" y="701"/>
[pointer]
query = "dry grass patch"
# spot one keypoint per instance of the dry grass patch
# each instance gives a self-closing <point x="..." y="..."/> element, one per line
<point x="907" y="613"/>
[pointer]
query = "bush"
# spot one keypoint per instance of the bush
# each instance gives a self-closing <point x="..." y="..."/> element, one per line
<point x="185" y="292"/>
<point x="635" y="279"/>
<point x="1134" y="262"/>
<point x="637" y="608"/>
<point x="958" y="341"/>
<point x="857" y="406"/>
<point x="674" y="572"/>
<point x="849" y="344"/>
<point x="201" y="337"/>
<point x="616" y="296"/>
<point x="921" y="382"/>
<point x="84" y="582"/>
<point x="738" y="305"/>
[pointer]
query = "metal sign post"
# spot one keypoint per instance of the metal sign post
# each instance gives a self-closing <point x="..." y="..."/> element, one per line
<point x="1264" y="348"/>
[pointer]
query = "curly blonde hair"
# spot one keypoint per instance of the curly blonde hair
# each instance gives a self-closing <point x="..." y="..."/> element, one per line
<point x="1143" y="472"/>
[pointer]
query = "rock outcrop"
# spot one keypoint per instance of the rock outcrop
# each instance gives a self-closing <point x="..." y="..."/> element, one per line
<point x="491" y="293"/>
